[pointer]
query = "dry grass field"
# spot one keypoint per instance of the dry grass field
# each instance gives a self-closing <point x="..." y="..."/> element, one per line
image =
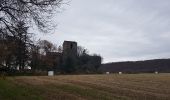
<point x="87" y="87"/>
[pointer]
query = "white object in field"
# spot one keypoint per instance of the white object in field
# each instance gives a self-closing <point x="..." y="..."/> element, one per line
<point x="156" y="72"/>
<point x="120" y="73"/>
<point x="107" y="72"/>
<point x="50" y="73"/>
<point x="17" y="67"/>
<point x="27" y="68"/>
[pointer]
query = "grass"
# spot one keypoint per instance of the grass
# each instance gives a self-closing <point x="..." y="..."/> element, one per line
<point x="11" y="91"/>
<point x="87" y="87"/>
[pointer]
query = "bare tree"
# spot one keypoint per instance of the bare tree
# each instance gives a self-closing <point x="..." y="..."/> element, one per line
<point x="32" y="12"/>
<point x="46" y="46"/>
<point x="23" y="42"/>
<point x="81" y="51"/>
<point x="15" y="49"/>
<point x="60" y="49"/>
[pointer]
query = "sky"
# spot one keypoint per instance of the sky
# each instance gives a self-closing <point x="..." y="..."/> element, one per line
<point x="118" y="30"/>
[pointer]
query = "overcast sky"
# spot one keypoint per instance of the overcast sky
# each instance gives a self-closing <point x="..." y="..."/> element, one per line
<point x="118" y="30"/>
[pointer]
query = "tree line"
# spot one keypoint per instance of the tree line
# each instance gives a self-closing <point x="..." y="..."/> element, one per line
<point x="146" y="66"/>
<point x="20" y="52"/>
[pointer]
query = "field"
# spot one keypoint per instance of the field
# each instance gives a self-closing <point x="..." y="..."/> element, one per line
<point x="87" y="87"/>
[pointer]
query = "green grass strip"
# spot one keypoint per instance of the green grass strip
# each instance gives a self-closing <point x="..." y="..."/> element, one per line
<point x="11" y="91"/>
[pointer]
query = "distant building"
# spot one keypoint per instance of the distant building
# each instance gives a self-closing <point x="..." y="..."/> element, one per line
<point x="69" y="48"/>
<point x="57" y="58"/>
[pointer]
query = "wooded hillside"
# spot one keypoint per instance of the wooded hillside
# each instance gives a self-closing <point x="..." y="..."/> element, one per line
<point x="160" y="65"/>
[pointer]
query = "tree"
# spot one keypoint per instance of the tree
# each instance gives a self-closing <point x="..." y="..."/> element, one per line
<point x="69" y="65"/>
<point x="32" y="12"/>
<point x="46" y="54"/>
<point x="96" y="61"/>
<point x="81" y="51"/>
<point x="87" y="63"/>
<point x="15" y="51"/>
<point x="35" y="57"/>
<point x="7" y="54"/>
<point x="46" y="46"/>
<point x="23" y="43"/>
<point x="16" y="16"/>
<point x="60" y="49"/>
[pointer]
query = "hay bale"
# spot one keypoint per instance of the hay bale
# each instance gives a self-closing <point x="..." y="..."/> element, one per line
<point x="50" y="73"/>
<point x="120" y="73"/>
<point x="156" y="72"/>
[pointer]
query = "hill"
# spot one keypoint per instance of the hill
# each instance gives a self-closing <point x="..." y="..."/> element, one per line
<point x="161" y="65"/>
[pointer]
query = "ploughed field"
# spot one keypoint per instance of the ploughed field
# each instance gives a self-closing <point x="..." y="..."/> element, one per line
<point x="87" y="87"/>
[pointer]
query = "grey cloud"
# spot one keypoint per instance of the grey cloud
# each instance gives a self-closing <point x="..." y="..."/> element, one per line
<point x="117" y="29"/>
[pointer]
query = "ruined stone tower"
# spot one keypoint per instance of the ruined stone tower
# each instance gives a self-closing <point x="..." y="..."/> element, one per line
<point x="69" y="56"/>
<point x="70" y="48"/>
<point x="64" y="59"/>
